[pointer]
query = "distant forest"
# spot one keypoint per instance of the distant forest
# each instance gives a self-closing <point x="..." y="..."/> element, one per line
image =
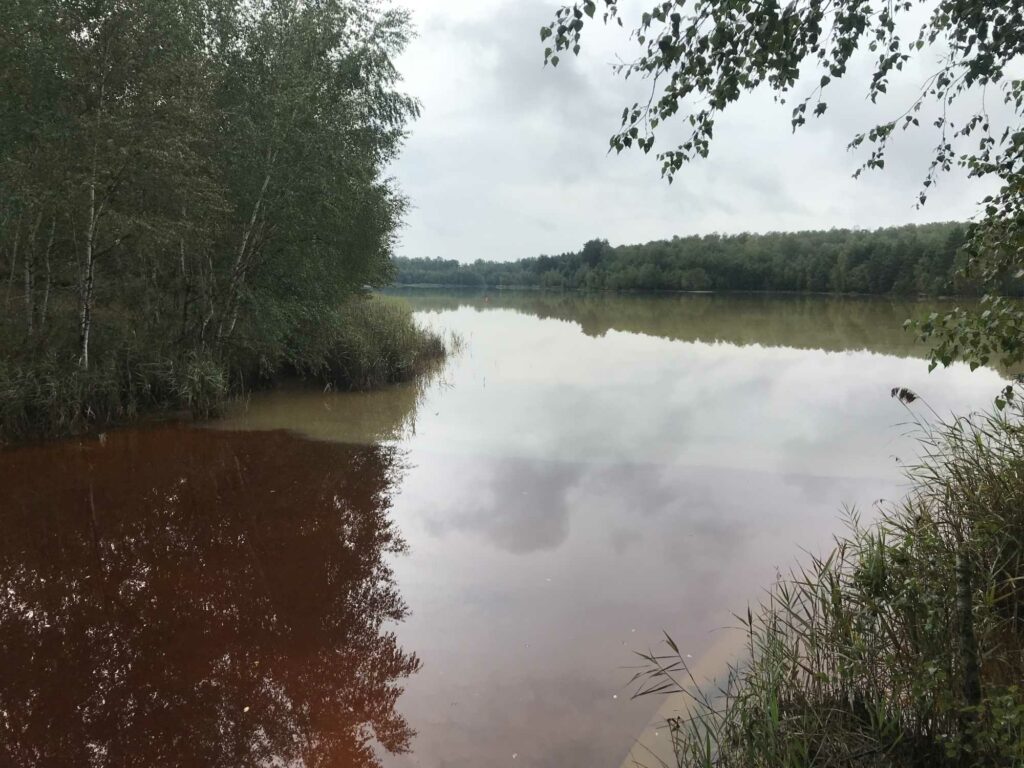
<point x="895" y="260"/>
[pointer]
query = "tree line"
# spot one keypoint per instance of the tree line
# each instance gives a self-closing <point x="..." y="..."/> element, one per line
<point x="904" y="260"/>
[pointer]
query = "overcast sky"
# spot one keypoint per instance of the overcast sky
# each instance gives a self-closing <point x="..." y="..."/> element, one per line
<point x="510" y="158"/>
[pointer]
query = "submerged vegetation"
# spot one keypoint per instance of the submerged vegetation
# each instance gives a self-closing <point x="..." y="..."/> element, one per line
<point x="193" y="200"/>
<point x="895" y="260"/>
<point x="903" y="647"/>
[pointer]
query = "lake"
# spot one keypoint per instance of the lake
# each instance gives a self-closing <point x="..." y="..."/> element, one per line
<point x="462" y="568"/>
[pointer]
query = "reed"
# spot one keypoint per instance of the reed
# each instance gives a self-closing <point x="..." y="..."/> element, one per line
<point x="903" y="647"/>
<point x="370" y="342"/>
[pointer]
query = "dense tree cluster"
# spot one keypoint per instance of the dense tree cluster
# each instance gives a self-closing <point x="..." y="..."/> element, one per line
<point x="202" y="174"/>
<point x="898" y="260"/>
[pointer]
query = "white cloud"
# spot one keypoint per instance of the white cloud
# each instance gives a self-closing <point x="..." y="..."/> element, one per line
<point x="510" y="158"/>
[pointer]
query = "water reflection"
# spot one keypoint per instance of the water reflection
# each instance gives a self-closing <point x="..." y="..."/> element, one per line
<point x="604" y="468"/>
<point x="801" y="322"/>
<point x="198" y="598"/>
<point x="363" y="418"/>
<point x="533" y="582"/>
<point x="594" y="470"/>
<point x="589" y="472"/>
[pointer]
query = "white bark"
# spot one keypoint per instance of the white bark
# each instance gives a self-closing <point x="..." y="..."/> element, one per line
<point x="30" y="276"/>
<point x="46" y="261"/>
<point x="86" y="282"/>
<point x="87" y="270"/>
<point x="14" y="259"/>
<point x="245" y="252"/>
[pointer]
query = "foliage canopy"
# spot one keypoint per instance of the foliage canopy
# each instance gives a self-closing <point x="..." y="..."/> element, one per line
<point x="208" y="172"/>
<point x="187" y="187"/>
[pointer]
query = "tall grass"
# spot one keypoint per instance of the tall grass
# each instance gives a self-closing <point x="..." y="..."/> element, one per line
<point x="51" y="397"/>
<point x="903" y="647"/>
<point x="369" y="342"/>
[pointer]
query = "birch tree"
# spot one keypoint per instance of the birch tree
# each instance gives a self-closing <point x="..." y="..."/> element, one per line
<point x="192" y="175"/>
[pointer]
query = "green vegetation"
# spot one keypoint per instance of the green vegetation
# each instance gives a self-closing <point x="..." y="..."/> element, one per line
<point x="896" y="260"/>
<point x="368" y="344"/>
<point x="903" y="647"/>
<point x="192" y="200"/>
<point x="702" y="56"/>
<point x="370" y="341"/>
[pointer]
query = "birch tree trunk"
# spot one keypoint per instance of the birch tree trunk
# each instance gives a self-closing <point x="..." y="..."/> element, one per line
<point x="30" y="275"/>
<point x="244" y="256"/>
<point x="87" y="271"/>
<point x="86" y="283"/>
<point x="46" y="264"/>
<point x="186" y="284"/>
<point x="14" y="260"/>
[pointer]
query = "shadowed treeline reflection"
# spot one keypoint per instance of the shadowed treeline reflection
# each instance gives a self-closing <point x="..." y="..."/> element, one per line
<point x="181" y="597"/>
<point x="829" y="323"/>
<point x="362" y="418"/>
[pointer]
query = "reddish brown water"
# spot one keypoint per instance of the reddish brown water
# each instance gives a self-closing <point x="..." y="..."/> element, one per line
<point x="474" y="558"/>
<point x="196" y="598"/>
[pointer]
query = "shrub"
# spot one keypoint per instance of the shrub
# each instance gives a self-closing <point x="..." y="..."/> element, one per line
<point x="904" y="647"/>
<point x="200" y="383"/>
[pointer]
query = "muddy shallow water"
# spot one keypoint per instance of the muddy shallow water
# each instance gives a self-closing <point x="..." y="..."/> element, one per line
<point x="473" y="558"/>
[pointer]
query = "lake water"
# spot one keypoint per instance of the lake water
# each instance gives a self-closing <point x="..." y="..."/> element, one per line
<point x="474" y="558"/>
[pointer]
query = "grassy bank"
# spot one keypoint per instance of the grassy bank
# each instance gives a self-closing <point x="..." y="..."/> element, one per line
<point x="370" y="341"/>
<point x="903" y="647"/>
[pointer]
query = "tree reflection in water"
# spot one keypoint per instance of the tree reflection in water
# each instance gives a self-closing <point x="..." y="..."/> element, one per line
<point x="181" y="597"/>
